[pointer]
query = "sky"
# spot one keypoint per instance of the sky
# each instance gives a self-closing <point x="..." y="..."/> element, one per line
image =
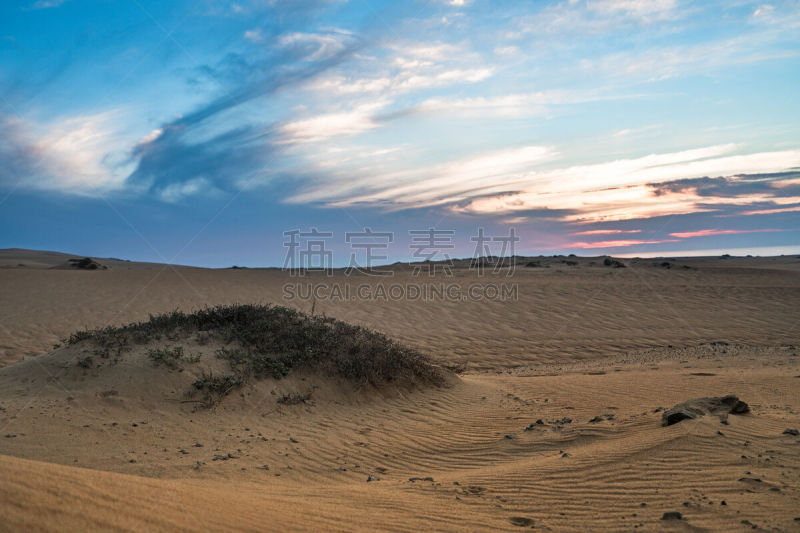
<point x="203" y="132"/>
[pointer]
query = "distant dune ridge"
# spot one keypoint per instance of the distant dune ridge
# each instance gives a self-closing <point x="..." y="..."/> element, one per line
<point x="179" y="398"/>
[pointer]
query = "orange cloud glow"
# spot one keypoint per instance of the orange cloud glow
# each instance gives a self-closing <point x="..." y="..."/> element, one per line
<point x="607" y="232"/>
<point x="615" y="244"/>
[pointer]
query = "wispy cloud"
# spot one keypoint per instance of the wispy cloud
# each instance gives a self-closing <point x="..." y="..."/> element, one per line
<point x="607" y="232"/>
<point x="404" y="68"/>
<point x="630" y="132"/>
<point x="321" y="127"/>
<point x="317" y="46"/>
<point x="45" y="4"/>
<point x="198" y="151"/>
<point x="616" y="244"/>
<point x="512" y="181"/>
<point x="713" y="232"/>
<point x="429" y="185"/>
<point x="82" y="155"/>
<point x="627" y="189"/>
<point x="773" y="211"/>
<point x="511" y="105"/>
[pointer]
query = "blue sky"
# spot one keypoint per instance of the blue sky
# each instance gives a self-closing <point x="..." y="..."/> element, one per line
<point x="197" y="132"/>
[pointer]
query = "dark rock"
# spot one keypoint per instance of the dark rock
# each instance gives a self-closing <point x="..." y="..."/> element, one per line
<point x="511" y="436"/>
<point x="699" y="407"/>
<point x="672" y="515"/>
<point x="596" y="419"/>
<point x="87" y="263"/>
<point x="613" y="263"/>
<point x="521" y="521"/>
<point x="372" y="478"/>
<point x="791" y="431"/>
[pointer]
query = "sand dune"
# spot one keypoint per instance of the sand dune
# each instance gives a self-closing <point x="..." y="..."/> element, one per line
<point x="562" y="312"/>
<point x="114" y="447"/>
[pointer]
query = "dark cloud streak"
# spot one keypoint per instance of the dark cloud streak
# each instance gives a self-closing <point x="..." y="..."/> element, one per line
<point x="174" y="156"/>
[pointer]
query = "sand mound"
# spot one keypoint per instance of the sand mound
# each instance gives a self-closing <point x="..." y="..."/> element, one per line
<point x="207" y="355"/>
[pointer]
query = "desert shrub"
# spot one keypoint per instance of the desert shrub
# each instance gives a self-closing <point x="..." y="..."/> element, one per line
<point x="294" y="398"/>
<point x="170" y="356"/>
<point x="86" y="362"/>
<point x="269" y="341"/>
<point x="613" y="263"/>
<point x="87" y="263"/>
<point x="215" y="388"/>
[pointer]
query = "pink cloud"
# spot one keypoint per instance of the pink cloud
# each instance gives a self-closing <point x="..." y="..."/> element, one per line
<point x="771" y="211"/>
<point x="607" y="231"/>
<point x="615" y="244"/>
<point x="709" y="232"/>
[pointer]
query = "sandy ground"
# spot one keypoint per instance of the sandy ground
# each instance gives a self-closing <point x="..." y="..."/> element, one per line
<point x="113" y="447"/>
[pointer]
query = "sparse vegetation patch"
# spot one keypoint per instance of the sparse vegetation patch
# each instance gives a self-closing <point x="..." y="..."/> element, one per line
<point x="215" y="388"/>
<point x="262" y="341"/>
<point x="170" y="356"/>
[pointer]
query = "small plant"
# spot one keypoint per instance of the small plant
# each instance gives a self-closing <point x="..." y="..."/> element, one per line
<point x="87" y="263"/>
<point x="86" y="362"/>
<point x="613" y="263"/>
<point x="215" y="388"/>
<point x="170" y="356"/>
<point x="295" y="398"/>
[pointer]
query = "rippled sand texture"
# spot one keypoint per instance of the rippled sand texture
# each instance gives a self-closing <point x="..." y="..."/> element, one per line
<point x="115" y="448"/>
